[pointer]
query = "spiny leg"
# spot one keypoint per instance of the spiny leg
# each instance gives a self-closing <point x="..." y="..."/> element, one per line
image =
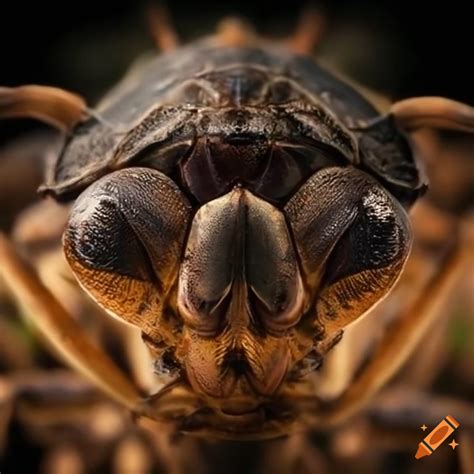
<point x="62" y="332"/>
<point x="400" y="341"/>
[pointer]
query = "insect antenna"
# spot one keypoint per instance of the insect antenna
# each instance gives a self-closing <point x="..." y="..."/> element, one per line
<point x="309" y="31"/>
<point x="56" y="107"/>
<point x="161" y="28"/>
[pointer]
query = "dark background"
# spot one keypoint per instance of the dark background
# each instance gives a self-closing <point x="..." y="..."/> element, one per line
<point x="398" y="48"/>
<point x="401" y="48"/>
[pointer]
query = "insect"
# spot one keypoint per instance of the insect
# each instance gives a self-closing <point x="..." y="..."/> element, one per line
<point x="242" y="207"/>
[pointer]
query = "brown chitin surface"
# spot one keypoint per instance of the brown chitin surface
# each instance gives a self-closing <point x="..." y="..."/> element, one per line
<point x="236" y="218"/>
<point x="240" y="290"/>
<point x="353" y="239"/>
<point x="124" y="242"/>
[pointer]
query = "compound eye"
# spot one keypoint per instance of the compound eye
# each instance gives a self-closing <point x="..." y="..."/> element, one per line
<point x="353" y="239"/>
<point x="124" y="241"/>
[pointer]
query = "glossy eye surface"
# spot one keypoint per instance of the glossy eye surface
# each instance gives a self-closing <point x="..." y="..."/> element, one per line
<point x="353" y="239"/>
<point x="124" y="242"/>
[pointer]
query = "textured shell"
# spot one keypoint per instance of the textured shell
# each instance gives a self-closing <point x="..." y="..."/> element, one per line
<point x="91" y="150"/>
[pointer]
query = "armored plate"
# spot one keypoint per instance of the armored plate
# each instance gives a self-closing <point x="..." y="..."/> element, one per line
<point x="242" y="207"/>
<point x="257" y="101"/>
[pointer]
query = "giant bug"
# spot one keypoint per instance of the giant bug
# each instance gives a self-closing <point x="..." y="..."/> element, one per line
<point x="242" y="207"/>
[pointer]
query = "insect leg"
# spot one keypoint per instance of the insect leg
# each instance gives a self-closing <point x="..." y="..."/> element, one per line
<point x="433" y="112"/>
<point x="61" y="330"/>
<point x="161" y="28"/>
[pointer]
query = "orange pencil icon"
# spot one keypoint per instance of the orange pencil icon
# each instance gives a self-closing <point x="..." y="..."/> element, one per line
<point x="436" y="437"/>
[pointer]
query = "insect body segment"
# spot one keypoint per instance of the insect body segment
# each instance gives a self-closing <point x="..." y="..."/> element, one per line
<point x="242" y="207"/>
<point x="241" y="233"/>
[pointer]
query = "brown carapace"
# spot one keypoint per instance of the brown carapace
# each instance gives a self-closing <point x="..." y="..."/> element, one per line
<point x="241" y="206"/>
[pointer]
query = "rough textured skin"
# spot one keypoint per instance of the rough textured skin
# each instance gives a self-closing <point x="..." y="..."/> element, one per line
<point x="124" y="241"/>
<point x="208" y="91"/>
<point x="352" y="244"/>
<point x="240" y="240"/>
<point x="241" y="207"/>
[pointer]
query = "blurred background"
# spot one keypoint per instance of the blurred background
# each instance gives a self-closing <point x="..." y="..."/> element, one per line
<point x="56" y="423"/>
<point x="399" y="47"/>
